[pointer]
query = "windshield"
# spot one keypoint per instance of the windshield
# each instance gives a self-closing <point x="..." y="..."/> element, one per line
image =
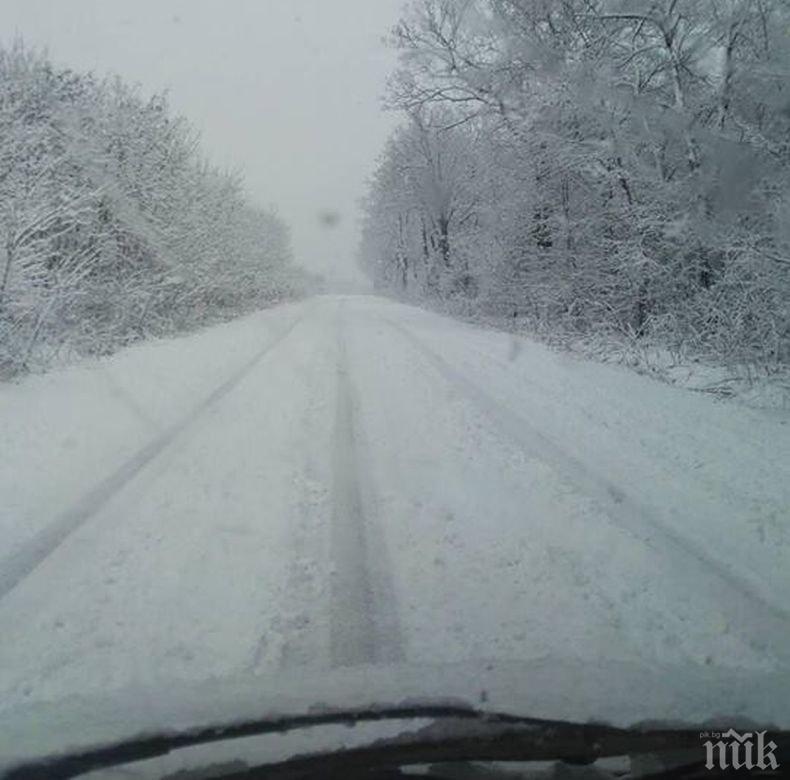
<point x="343" y="337"/>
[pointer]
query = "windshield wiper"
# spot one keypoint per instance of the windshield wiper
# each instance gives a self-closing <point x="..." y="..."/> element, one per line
<point x="459" y="733"/>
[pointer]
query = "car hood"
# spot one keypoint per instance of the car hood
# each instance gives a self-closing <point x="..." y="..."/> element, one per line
<point x="622" y="694"/>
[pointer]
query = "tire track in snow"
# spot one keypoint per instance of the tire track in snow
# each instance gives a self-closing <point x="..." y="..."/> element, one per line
<point x="362" y="629"/>
<point x="767" y="623"/>
<point x="19" y="564"/>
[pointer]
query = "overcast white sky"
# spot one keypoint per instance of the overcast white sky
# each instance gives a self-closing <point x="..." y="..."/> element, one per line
<point x="288" y="91"/>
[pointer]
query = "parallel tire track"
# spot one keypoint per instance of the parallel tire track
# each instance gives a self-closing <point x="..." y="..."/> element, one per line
<point x="362" y="628"/>
<point x="766" y="622"/>
<point x="18" y="565"/>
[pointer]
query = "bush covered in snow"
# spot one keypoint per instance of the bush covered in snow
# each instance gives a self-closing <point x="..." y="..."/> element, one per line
<point x="112" y="226"/>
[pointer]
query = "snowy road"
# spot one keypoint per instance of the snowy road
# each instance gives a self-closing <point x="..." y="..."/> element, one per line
<point x="349" y="480"/>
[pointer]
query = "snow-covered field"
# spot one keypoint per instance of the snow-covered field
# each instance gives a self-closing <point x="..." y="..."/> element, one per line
<point x="349" y="480"/>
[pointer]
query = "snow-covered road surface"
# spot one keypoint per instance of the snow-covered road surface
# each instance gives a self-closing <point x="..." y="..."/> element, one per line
<point x="349" y="480"/>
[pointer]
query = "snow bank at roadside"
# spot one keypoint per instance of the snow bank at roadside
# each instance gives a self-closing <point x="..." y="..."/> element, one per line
<point x="747" y="385"/>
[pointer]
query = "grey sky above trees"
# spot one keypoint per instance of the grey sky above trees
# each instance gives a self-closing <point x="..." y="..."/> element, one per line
<point x="289" y="91"/>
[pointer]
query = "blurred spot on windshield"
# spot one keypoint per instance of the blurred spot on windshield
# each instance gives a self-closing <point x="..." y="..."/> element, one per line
<point x="329" y="219"/>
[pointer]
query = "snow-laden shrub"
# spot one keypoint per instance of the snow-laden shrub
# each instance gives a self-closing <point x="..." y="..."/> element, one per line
<point x="112" y="227"/>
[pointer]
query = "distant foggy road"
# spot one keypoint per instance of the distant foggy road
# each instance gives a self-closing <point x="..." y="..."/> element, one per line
<point x="360" y="481"/>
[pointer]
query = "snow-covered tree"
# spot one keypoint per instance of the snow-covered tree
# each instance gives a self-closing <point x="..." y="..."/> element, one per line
<point x="112" y="226"/>
<point x="628" y="161"/>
